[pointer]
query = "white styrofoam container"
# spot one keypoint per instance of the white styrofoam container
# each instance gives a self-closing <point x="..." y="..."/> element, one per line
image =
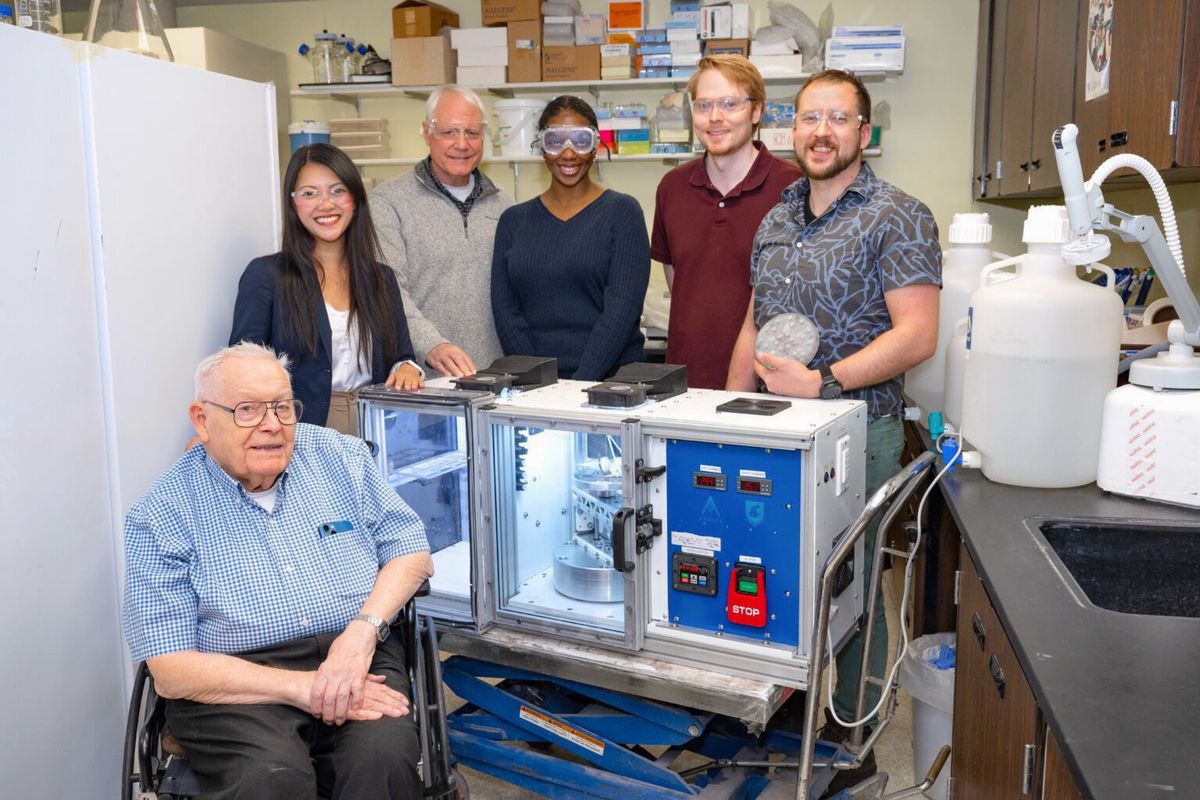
<point x="483" y="57"/>
<point x="470" y="38"/>
<point x="1150" y="444"/>
<point x="482" y="75"/>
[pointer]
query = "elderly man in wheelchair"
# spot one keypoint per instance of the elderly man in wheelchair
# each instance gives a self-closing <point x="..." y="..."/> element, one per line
<point x="262" y="572"/>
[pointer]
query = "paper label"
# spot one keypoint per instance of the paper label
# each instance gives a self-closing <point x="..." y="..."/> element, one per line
<point x="685" y="539"/>
<point x="565" y="732"/>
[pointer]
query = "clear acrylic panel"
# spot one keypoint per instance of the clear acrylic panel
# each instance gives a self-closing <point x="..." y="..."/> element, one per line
<point x="425" y="458"/>
<point x="556" y="493"/>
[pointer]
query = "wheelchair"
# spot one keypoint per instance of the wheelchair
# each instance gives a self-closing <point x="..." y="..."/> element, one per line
<point x="154" y="767"/>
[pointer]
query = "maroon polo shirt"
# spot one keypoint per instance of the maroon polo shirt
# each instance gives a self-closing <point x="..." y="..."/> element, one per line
<point x="707" y="239"/>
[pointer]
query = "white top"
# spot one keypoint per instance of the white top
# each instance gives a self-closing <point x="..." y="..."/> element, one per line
<point x="461" y="193"/>
<point x="349" y="372"/>
<point x="266" y="498"/>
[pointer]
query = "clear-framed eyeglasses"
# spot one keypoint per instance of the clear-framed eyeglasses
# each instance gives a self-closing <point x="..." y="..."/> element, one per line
<point x="338" y="194"/>
<point x="727" y="105"/>
<point x="251" y="413"/>
<point x="451" y="133"/>
<point x="583" y="139"/>
<point x="836" y="119"/>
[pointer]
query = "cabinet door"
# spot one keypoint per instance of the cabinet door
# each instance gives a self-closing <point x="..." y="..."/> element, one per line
<point x="995" y="717"/>
<point x="1054" y="87"/>
<point x="1187" y="133"/>
<point x="986" y="65"/>
<point x="1020" y="56"/>
<point x="1145" y="57"/>
<point x="1057" y="781"/>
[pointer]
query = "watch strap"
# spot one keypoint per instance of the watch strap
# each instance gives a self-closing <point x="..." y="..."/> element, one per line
<point x="380" y="624"/>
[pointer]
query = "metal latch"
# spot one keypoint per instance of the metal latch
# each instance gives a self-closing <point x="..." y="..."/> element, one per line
<point x="644" y="474"/>
<point x="648" y="528"/>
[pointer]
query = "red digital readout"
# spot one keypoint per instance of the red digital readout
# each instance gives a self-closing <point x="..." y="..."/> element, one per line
<point x="749" y="486"/>
<point x="706" y="480"/>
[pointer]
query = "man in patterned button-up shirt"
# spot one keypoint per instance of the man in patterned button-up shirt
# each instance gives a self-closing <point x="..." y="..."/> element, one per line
<point x="860" y="258"/>
<point x="262" y="570"/>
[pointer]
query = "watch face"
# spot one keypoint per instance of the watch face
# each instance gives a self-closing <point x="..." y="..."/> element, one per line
<point x="385" y="630"/>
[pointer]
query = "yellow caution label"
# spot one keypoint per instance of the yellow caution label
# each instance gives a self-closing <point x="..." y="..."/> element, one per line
<point x="562" y="731"/>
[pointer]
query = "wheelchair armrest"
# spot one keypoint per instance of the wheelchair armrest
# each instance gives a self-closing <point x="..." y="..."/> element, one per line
<point x="423" y="591"/>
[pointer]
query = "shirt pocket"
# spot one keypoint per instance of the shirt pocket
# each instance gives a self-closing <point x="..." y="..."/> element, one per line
<point x="350" y="563"/>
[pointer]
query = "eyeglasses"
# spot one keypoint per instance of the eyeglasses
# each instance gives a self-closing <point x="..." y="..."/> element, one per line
<point x="338" y="194"/>
<point x="836" y="119"/>
<point x="557" y="138"/>
<point x="251" y="413"/>
<point x="728" y="105"/>
<point x="451" y="134"/>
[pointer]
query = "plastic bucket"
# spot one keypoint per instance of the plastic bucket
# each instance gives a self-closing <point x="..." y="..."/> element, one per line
<point x="308" y="132"/>
<point x="932" y="692"/>
<point x="516" y="125"/>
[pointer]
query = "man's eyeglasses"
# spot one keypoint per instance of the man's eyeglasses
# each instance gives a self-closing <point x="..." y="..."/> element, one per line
<point x="251" y="413"/>
<point x="836" y="119"/>
<point x="338" y="194"/>
<point x="557" y="138"/>
<point x="728" y="105"/>
<point x="447" y="133"/>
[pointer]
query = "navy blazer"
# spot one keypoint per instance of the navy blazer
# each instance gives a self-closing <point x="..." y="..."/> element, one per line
<point x="259" y="315"/>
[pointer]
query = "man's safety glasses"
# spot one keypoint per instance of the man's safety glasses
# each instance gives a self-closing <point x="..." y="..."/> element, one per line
<point x="557" y="138"/>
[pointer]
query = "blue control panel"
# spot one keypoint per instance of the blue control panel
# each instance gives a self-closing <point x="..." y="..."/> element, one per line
<point x="733" y="523"/>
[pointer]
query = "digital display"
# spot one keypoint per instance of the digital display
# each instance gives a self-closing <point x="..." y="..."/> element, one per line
<point x="706" y="480"/>
<point x="749" y="486"/>
<point x="714" y="481"/>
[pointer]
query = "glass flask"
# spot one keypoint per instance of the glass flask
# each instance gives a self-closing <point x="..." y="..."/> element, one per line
<point x="39" y="15"/>
<point x="326" y="57"/>
<point x="130" y="25"/>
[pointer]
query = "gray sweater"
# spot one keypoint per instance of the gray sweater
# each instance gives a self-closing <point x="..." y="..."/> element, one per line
<point x="443" y="261"/>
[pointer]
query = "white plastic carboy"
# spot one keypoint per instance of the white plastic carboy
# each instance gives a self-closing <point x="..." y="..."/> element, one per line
<point x="1042" y="353"/>
<point x="968" y="254"/>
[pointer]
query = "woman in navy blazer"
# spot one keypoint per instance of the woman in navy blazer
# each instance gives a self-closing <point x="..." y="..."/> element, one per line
<point x="325" y="299"/>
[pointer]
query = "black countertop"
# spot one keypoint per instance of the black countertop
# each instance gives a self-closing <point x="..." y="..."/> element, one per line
<point x="1121" y="691"/>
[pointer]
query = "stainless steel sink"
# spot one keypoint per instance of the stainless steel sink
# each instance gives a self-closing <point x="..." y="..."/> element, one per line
<point x="1127" y="565"/>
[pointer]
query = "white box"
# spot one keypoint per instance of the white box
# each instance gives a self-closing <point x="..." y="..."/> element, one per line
<point x="483" y="57"/>
<point x="716" y="22"/>
<point x="776" y="138"/>
<point x="470" y="38"/>
<point x="845" y="31"/>
<point x="685" y="59"/>
<point x="866" y="54"/>
<point x="483" y="76"/>
<point x="784" y="48"/>
<point x="741" y="21"/>
<point x="779" y="66"/>
<point x="685" y="47"/>
<point x="681" y="35"/>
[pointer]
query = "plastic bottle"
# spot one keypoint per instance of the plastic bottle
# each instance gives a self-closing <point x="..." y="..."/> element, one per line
<point x="1042" y="353"/>
<point x="962" y="262"/>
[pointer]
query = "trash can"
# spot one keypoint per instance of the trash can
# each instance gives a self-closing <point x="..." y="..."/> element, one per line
<point x="927" y="674"/>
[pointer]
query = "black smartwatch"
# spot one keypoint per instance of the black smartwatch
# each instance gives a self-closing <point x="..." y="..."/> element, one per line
<point x="831" y="389"/>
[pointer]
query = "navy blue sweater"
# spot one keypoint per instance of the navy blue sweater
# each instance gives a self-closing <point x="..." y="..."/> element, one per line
<point x="572" y="289"/>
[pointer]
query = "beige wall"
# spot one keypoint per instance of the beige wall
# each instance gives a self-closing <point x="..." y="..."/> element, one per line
<point x="927" y="152"/>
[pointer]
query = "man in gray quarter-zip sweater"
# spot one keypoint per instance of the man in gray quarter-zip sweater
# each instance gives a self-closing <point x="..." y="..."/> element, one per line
<point x="436" y="225"/>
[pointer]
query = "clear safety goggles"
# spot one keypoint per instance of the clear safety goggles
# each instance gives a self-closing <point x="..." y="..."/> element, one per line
<point x="557" y="138"/>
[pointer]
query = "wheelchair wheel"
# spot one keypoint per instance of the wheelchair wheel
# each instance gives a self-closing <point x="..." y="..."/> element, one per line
<point x="461" y="790"/>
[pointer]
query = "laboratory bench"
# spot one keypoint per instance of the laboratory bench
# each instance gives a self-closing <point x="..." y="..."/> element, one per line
<point x="1057" y="697"/>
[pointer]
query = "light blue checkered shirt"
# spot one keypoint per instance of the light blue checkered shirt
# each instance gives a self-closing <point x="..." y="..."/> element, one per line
<point x="208" y="569"/>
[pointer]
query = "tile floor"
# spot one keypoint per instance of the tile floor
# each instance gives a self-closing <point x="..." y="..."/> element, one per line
<point x="893" y="753"/>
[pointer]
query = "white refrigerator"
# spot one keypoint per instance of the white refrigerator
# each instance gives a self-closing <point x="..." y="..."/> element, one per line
<point x="134" y="193"/>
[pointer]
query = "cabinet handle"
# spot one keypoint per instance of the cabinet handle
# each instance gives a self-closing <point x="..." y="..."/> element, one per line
<point x="997" y="675"/>
<point x="1035" y="165"/>
<point x="1024" y="165"/>
<point x="980" y="633"/>
<point x="620" y="521"/>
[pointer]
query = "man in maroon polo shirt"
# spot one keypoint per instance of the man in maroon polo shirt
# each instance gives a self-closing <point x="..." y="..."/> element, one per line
<point x="706" y="213"/>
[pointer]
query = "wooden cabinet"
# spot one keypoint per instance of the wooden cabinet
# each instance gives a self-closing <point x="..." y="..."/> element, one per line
<point x="1033" y="57"/>
<point x="1057" y="782"/>
<point x="997" y="723"/>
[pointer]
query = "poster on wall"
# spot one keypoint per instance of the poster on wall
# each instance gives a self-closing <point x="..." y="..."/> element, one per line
<point x="1099" y="48"/>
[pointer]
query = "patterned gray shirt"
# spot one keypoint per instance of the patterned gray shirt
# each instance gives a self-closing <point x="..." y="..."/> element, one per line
<point x="836" y="270"/>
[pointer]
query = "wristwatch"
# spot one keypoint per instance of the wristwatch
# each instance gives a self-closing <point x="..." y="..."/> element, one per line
<point x="831" y="388"/>
<point x="382" y="629"/>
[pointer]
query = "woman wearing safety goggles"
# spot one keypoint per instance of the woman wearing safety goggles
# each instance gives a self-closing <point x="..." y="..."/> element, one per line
<point x="570" y="267"/>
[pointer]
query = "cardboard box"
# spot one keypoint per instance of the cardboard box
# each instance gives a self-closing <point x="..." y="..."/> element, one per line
<point x="739" y="47"/>
<point x="575" y="63"/>
<point x="589" y="29"/>
<point x="627" y="15"/>
<point x="525" y="51"/>
<point x="470" y="38"/>
<point x="422" y="61"/>
<point x="501" y="12"/>
<point x="418" y="18"/>
<point x="866" y="54"/>
<point x="716" y="22"/>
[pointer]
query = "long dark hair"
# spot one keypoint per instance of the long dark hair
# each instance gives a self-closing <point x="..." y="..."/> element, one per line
<point x="567" y="102"/>
<point x="371" y="298"/>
